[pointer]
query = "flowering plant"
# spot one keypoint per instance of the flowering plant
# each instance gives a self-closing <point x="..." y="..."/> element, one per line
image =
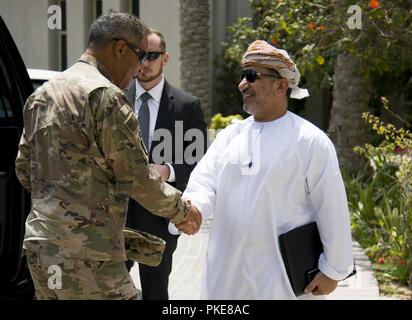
<point x="391" y="164"/>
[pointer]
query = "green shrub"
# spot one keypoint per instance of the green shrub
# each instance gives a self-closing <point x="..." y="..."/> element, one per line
<point x="380" y="199"/>
<point x="220" y="122"/>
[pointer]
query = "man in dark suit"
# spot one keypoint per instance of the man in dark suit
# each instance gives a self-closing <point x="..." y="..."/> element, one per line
<point x="162" y="108"/>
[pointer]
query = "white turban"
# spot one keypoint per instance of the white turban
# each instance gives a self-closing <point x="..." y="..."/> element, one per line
<point x="262" y="54"/>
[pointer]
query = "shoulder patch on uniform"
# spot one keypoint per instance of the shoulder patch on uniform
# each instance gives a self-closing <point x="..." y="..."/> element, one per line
<point x="125" y="111"/>
<point x="131" y="124"/>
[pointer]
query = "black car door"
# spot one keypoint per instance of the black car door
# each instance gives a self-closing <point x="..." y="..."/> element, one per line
<point x="15" y="87"/>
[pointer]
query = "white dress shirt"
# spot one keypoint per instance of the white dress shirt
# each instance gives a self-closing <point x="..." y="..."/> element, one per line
<point x="153" y="104"/>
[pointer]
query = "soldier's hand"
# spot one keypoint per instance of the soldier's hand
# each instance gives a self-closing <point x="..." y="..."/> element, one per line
<point x="193" y="221"/>
<point x="321" y="285"/>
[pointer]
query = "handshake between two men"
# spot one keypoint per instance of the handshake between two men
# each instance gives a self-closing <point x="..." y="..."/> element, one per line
<point x="193" y="221"/>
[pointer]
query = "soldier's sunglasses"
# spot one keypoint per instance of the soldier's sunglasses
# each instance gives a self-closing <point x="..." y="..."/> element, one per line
<point x="251" y="75"/>
<point x="153" y="55"/>
<point x="141" y="54"/>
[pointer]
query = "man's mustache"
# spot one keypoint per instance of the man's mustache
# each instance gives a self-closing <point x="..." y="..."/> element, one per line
<point x="248" y="91"/>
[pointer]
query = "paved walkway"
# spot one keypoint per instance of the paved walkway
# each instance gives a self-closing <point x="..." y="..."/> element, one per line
<point x="189" y="257"/>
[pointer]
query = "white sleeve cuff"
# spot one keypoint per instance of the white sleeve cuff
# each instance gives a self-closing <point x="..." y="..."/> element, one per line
<point x="205" y="208"/>
<point x="172" y="175"/>
<point x="172" y="229"/>
<point x="330" y="272"/>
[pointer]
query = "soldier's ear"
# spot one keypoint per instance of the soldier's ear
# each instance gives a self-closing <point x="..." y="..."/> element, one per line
<point x="119" y="48"/>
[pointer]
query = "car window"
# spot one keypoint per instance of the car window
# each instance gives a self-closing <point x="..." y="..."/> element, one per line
<point x="5" y="99"/>
<point x="37" y="83"/>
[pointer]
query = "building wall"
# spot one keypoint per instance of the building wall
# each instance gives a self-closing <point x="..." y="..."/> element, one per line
<point x="27" y="23"/>
<point x="223" y="14"/>
<point x="165" y="18"/>
<point x="79" y="19"/>
<point x="116" y="5"/>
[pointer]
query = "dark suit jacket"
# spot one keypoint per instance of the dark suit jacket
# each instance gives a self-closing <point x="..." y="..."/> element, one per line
<point x="175" y="105"/>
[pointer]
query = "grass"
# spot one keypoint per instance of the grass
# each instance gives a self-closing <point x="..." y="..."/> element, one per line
<point x="388" y="284"/>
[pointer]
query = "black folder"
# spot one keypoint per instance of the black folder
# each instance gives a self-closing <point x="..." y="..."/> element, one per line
<point x="301" y="248"/>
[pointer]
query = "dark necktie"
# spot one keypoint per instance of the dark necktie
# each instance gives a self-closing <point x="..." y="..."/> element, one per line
<point x="144" y="118"/>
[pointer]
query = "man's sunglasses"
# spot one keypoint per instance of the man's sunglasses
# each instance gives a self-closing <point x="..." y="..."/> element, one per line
<point x="152" y="55"/>
<point x="141" y="54"/>
<point x="251" y="75"/>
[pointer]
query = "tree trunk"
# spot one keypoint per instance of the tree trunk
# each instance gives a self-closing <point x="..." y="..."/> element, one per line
<point x="351" y="95"/>
<point x="194" y="46"/>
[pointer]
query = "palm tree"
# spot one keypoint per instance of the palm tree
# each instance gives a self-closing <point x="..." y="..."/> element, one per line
<point x="351" y="95"/>
<point x="194" y="48"/>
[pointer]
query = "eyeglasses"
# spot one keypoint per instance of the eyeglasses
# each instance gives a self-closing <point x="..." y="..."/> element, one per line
<point x="141" y="54"/>
<point x="153" y="55"/>
<point x="251" y="75"/>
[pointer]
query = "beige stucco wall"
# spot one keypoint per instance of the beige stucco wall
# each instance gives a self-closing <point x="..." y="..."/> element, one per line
<point x="27" y="23"/>
<point x="80" y="18"/>
<point x="116" y="5"/>
<point x="164" y="16"/>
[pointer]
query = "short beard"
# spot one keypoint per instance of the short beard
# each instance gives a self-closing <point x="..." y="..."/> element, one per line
<point x="151" y="78"/>
<point x="247" y="109"/>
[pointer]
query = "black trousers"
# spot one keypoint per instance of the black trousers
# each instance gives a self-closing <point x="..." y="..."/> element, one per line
<point x="154" y="280"/>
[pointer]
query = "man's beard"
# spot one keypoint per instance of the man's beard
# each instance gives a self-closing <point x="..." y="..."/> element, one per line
<point x="144" y="79"/>
<point x="247" y="109"/>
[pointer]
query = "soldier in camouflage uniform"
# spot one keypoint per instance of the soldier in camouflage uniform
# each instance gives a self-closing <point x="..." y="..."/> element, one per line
<point x="81" y="156"/>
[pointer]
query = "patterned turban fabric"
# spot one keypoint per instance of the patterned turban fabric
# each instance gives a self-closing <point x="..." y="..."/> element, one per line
<point x="262" y="54"/>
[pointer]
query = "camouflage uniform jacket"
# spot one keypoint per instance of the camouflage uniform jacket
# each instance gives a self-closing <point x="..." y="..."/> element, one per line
<point x="80" y="156"/>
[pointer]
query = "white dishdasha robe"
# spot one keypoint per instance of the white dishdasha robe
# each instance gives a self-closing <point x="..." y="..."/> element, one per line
<point x="259" y="180"/>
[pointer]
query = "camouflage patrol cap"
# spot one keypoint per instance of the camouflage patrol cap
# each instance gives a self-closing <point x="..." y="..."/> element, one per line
<point x="143" y="247"/>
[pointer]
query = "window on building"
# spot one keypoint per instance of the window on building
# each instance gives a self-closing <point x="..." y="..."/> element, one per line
<point x="135" y="7"/>
<point x="5" y="90"/>
<point x="98" y="8"/>
<point x="63" y="37"/>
